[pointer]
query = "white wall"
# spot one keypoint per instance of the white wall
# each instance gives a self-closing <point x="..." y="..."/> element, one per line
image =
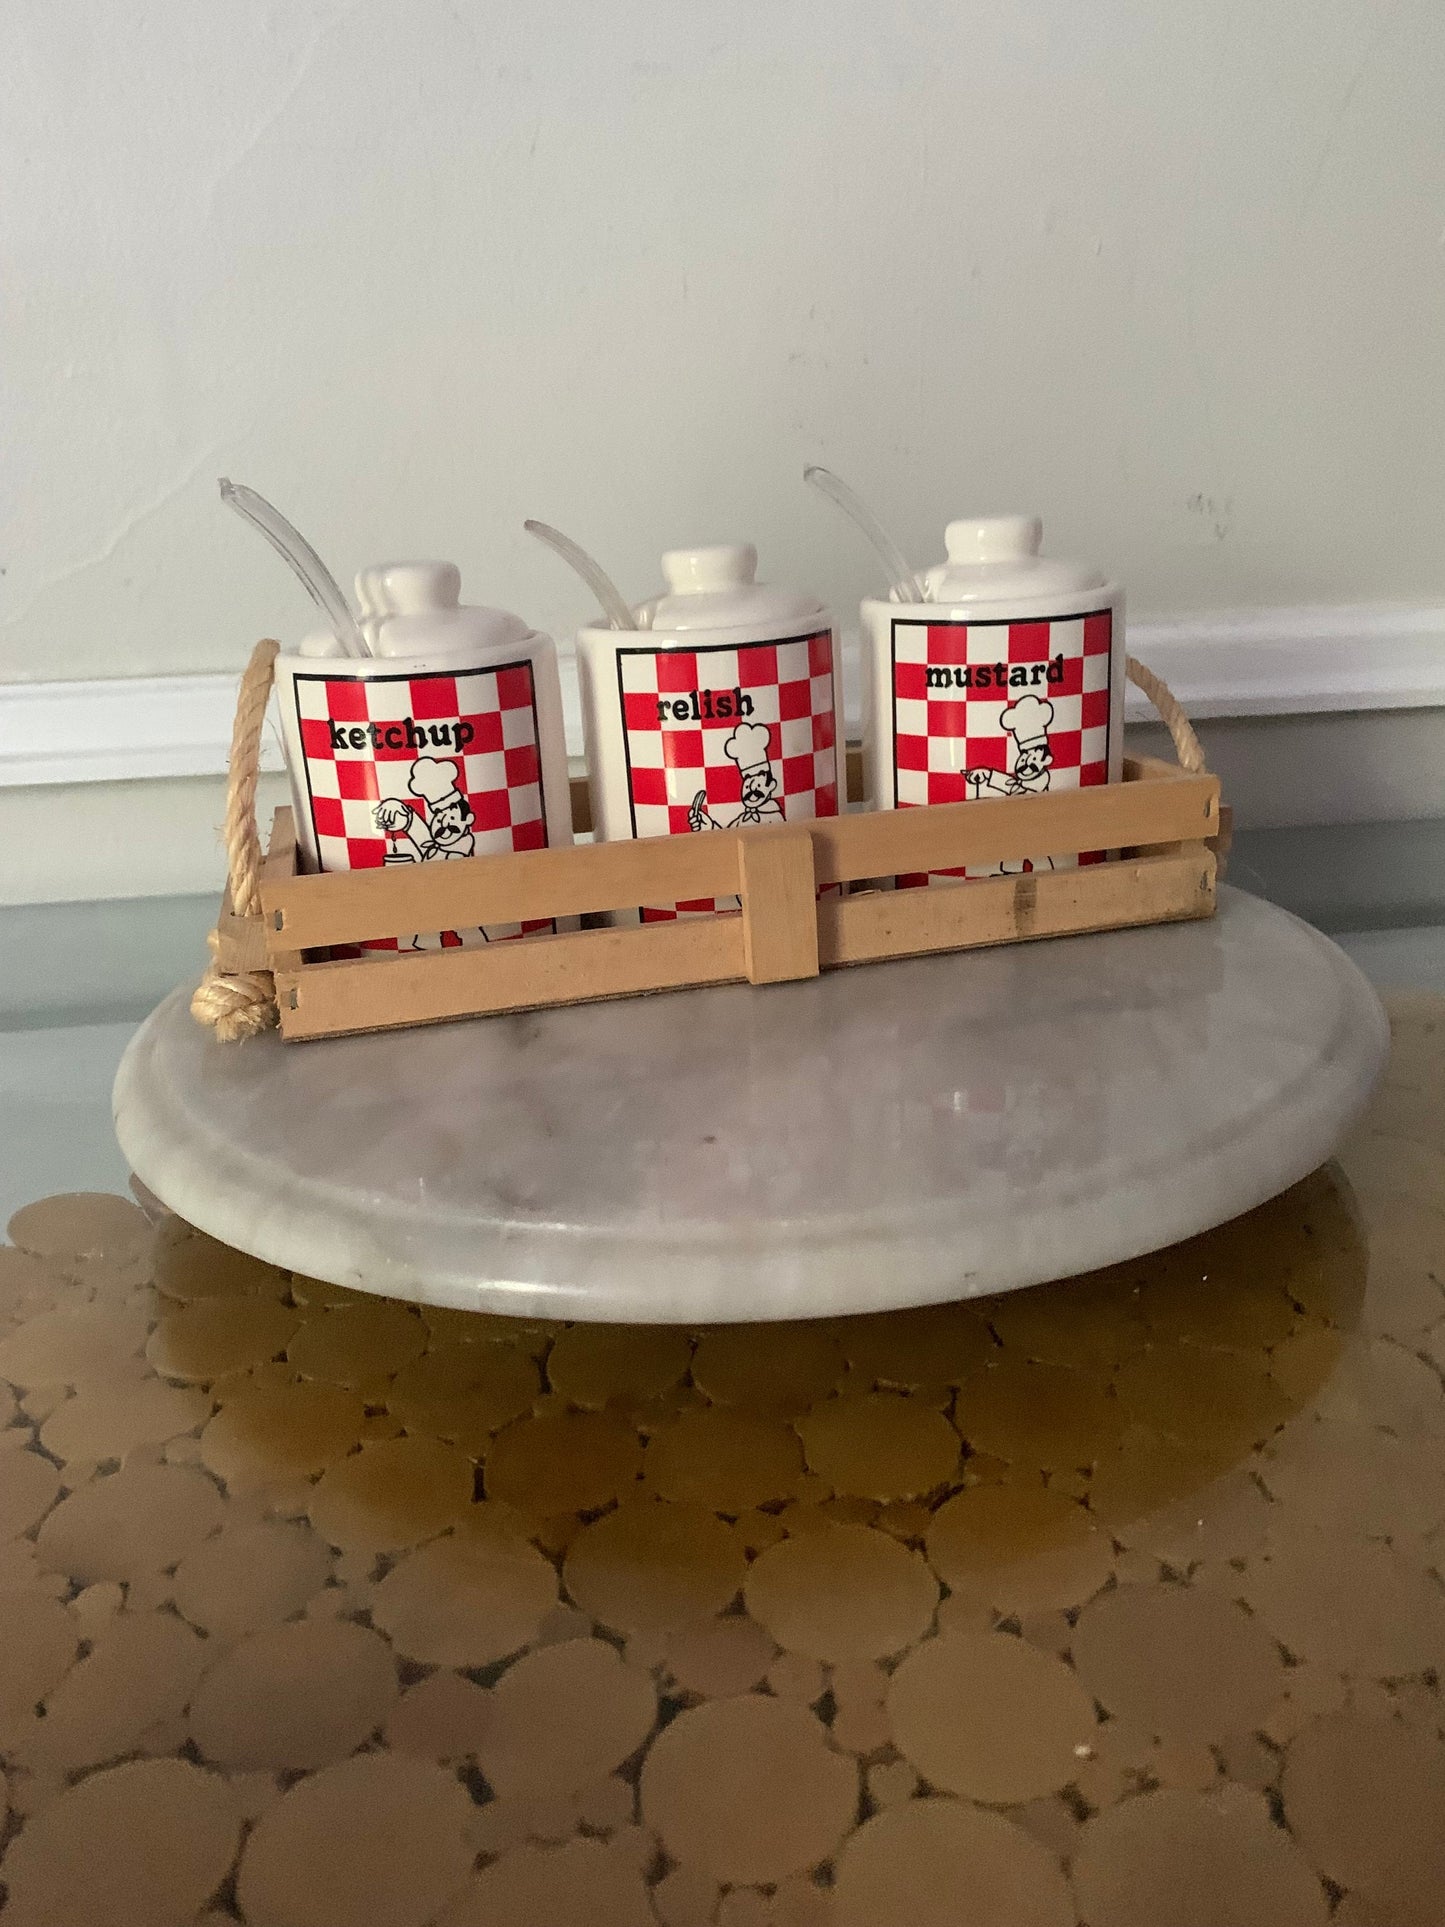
<point x="419" y="268"/>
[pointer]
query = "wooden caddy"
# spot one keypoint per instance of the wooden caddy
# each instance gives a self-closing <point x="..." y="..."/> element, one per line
<point x="1164" y="820"/>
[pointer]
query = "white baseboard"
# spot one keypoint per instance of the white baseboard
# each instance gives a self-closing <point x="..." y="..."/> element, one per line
<point x="1255" y="662"/>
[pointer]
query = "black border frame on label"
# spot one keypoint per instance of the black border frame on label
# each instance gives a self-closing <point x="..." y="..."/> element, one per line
<point x="712" y="649"/>
<point x="895" y="623"/>
<point x="401" y="675"/>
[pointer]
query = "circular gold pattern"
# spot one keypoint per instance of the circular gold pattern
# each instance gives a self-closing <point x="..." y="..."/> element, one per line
<point x="1194" y="1860"/>
<point x="748" y="1790"/>
<point x="1017" y="1547"/>
<point x="990" y="1717"/>
<point x="564" y="1716"/>
<point x="392" y="1495"/>
<point x="142" y="1845"/>
<point x="799" y="1365"/>
<point x="190" y="1265"/>
<point x="39" y="1639"/>
<point x="726" y="1460"/>
<point x="842" y="1593"/>
<point x="564" y="1462"/>
<point x="266" y="1433"/>
<point x="139" y="1520"/>
<point x="214" y="1336"/>
<point x="881" y="1446"/>
<point x="581" y="1884"/>
<point x="442" y="1718"/>
<point x="1365" y="1798"/>
<point x="298" y="1695"/>
<point x="72" y="1345"/>
<point x="1181" y="1662"/>
<point x="721" y="1658"/>
<point x="110" y="1421"/>
<point x="358" y="1345"/>
<point x="83" y="1225"/>
<point x="29" y="1486"/>
<point x="651" y="1567"/>
<point x="249" y="1575"/>
<point x="1051" y="1416"/>
<point x="936" y="1863"/>
<point x="139" y="1674"/>
<point x="924" y="1351"/>
<point x="468" y="1599"/>
<point x="595" y="1365"/>
<point x="1123" y="1522"/>
<point x="381" y="1838"/>
<point x="464" y="1393"/>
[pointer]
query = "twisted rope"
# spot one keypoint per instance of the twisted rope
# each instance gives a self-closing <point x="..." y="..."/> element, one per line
<point x="241" y="1004"/>
<point x="1181" y="730"/>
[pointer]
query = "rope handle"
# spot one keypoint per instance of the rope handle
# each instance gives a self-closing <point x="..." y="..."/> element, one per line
<point x="240" y="1004"/>
<point x="1170" y="712"/>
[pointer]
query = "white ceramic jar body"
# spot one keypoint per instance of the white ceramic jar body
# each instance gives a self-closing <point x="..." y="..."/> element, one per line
<point x="724" y="711"/>
<point x="1008" y="681"/>
<point x="448" y="742"/>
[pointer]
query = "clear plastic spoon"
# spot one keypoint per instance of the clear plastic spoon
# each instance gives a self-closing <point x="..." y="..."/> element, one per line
<point x="303" y="561"/>
<point x="616" y="610"/>
<point x="903" y="584"/>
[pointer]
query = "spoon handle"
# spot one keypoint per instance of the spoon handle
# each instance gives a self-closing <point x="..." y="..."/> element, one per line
<point x="903" y="584"/>
<point x="618" y="614"/>
<point x="303" y="561"/>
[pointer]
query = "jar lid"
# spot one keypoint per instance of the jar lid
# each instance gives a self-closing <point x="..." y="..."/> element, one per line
<point x="414" y="609"/>
<point x="995" y="558"/>
<point x="714" y="588"/>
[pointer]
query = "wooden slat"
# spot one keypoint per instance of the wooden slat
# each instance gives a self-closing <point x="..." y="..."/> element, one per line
<point x="278" y="866"/>
<point x="349" y="906"/>
<point x="240" y="941"/>
<point x="993" y="910"/>
<point x="1151" y="769"/>
<point x="393" y="992"/>
<point x="779" y="897"/>
<point x="887" y="843"/>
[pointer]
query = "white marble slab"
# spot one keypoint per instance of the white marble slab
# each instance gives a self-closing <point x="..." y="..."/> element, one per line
<point x="897" y="1135"/>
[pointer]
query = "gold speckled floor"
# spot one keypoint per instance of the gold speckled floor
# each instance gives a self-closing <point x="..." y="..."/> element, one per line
<point x="1117" y="1602"/>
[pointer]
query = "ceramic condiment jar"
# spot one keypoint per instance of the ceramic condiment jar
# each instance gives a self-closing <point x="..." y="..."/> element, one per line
<point x="721" y="710"/>
<point x="447" y="741"/>
<point x="1006" y="680"/>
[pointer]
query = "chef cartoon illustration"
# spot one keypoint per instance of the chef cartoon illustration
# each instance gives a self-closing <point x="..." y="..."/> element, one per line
<point x="1027" y="721"/>
<point x="748" y="748"/>
<point x="445" y="831"/>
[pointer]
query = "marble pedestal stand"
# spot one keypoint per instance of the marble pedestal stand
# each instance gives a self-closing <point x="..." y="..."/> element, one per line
<point x="899" y="1135"/>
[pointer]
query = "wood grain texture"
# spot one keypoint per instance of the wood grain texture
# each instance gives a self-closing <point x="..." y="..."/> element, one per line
<point x="1115" y="816"/>
<point x="779" y="897"/>
<point x="393" y="991"/>
<point x="991" y="910"/>
<point x="1168" y="823"/>
<point x="278" y="866"/>
<point x="352" y="906"/>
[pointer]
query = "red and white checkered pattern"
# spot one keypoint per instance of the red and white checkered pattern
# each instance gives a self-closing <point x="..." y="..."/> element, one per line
<point x="940" y="733"/>
<point x="786" y="686"/>
<point x="482" y="721"/>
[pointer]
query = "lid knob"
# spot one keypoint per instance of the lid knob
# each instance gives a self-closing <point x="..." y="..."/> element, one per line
<point x="727" y="565"/>
<point x="415" y="588"/>
<point x="993" y="538"/>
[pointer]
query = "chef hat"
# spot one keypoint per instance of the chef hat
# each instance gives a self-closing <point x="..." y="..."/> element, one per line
<point x="433" y="780"/>
<point x="1027" y="721"/>
<point x="748" y="746"/>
